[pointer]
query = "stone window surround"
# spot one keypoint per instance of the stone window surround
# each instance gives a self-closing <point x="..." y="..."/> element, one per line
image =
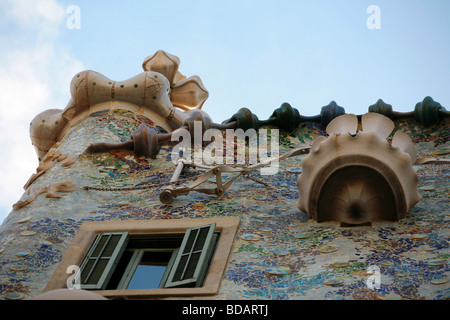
<point x="75" y="253"/>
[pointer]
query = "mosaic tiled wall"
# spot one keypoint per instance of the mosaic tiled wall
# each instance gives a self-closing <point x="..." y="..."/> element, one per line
<point x="278" y="253"/>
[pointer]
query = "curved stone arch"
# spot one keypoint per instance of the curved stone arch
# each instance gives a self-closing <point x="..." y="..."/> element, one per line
<point x="365" y="182"/>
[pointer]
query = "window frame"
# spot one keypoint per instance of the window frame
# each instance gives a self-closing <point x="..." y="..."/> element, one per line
<point x="85" y="236"/>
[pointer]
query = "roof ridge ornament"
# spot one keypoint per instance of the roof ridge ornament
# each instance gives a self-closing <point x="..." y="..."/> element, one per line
<point x="185" y="93"/>
<point x="157" y="91"/>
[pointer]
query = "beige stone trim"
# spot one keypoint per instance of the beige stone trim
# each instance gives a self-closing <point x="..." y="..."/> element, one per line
<point x="83" y="239"/>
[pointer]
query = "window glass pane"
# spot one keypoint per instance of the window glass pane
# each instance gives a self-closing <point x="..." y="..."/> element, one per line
<point x="147" y="277"/>
<point x="150" y="270"/>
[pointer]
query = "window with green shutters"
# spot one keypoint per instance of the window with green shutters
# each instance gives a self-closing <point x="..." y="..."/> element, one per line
<point x="101" y="260"/>
<point x="113" y="260"/>
<point x="192" y="258"/>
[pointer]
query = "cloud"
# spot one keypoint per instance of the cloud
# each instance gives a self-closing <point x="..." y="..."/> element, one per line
<point x="35" y="73"/>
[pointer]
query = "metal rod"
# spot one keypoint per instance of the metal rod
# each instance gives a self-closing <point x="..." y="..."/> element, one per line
<point x="166" y="196"/>
<point x="177" y="171"/>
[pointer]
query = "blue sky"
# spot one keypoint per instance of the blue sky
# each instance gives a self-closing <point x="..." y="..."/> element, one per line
<point x="248" y="53"/>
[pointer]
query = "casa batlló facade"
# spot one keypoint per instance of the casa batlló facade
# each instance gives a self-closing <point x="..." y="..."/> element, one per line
<point x="130" y="200"/>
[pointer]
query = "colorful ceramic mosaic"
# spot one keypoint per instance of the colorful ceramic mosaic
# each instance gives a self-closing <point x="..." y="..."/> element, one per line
<point x="278" y="253"/>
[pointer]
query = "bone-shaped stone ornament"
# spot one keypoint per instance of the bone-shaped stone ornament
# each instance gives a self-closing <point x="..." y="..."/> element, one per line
<point x="153" y="93"/>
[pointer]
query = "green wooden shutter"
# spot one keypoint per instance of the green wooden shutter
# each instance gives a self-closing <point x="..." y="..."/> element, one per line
<point x="192" y="259"/>
<point x="101" y="260"/>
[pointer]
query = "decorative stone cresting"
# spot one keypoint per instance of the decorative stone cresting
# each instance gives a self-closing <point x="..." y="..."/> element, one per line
<point x="287" y="118"/>
<point x="357" y="177"/>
